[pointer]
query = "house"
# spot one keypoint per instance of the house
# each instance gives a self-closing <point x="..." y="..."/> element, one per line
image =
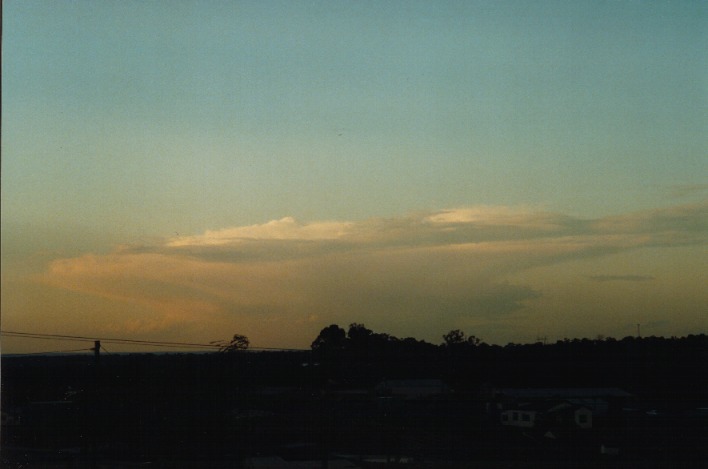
<point x="519" y="417"/>
<point x="547" y="414"/>
<point x="552" y="407"/>
<point x="598" y="400"/>
<point x="567" y="414"/>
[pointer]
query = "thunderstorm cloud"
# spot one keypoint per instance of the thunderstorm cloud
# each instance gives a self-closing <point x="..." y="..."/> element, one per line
<point x="474" y="266"/>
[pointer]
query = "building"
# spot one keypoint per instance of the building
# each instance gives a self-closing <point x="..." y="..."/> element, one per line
<point x="548" y="407"/>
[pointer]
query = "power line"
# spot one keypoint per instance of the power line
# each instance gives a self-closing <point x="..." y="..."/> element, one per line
<point x="153" y="343"/>
<point x="38" y="335"/>
<point x="58" y="351"/>
<point x="118" y="341"/>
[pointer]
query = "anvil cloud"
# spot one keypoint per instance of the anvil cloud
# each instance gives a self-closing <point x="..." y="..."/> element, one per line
<point x="418" y="275"/>
<point x="190" y="170"/>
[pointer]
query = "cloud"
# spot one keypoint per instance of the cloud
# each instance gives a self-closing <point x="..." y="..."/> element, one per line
<point x="686" y="224"/>
<point x="285" y="228"/>
<point x="680" y="224"/>
<point x="510" y="217"/>
<point x="407" y="274"/>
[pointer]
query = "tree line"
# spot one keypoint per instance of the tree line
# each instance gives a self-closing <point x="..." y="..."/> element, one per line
<point x="663" y="365"/>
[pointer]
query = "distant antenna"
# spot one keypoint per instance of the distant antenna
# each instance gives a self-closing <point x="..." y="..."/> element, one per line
<point x="639" y="333"/>
<point x="541" y="339"/>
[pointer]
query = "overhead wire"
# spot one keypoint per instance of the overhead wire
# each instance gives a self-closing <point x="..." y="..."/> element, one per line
<point x="153" y="343"/>
<point x="122" y="341"/>
<point x="59" y="351"/>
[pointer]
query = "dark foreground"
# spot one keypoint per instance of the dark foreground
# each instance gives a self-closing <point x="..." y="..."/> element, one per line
<point x="646" y="407"/>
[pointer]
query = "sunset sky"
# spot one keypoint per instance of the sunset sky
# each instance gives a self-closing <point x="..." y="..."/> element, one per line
<point x="188" y="170"/>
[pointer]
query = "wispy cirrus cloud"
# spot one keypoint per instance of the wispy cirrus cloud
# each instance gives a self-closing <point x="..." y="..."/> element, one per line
<point x="426" y="268"/>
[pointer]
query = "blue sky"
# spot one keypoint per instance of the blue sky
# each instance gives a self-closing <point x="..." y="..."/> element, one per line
<point x="130" y="123"/>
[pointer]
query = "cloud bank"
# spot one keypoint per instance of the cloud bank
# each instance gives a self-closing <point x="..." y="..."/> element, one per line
<point x="282" y="281"/>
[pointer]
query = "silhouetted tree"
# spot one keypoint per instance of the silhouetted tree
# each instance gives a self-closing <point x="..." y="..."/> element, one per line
<point x="472" y="340"/>
<point x="328" y="349"/>
<point x="457" y="338"/>
<point x="359" y="333"/>
<point x="238" y="342"/>
<point x="331" y="337"/>
<point x="454" y="337"/>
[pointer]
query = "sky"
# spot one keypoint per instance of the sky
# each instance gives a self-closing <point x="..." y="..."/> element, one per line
<point x="188" y="170"/>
